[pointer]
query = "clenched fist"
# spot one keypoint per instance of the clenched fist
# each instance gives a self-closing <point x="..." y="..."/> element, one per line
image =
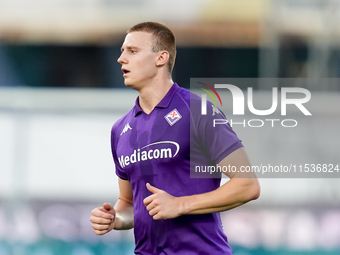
<point x="103" y="219"/>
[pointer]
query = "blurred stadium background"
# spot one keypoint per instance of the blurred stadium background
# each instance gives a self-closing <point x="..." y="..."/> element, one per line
<point x="61" y="90"/>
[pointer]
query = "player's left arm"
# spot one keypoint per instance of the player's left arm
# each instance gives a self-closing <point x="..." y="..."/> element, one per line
<point x="240" y="189"/>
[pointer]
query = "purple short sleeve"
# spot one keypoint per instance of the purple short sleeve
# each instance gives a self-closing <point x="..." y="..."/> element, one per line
<point x="219" y="140"/>
<point x="119" y="171"/>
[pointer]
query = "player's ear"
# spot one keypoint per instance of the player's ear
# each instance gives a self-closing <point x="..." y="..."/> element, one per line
<point x="162" y="58"/>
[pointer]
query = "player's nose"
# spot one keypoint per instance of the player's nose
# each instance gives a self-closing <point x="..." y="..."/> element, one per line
<point x="121" y="59"/>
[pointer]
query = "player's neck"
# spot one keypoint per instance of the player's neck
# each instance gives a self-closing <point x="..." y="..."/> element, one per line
<point x="151" y="95"/>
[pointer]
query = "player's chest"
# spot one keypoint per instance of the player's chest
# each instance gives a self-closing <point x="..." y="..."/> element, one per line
<point x="153" y="139"/>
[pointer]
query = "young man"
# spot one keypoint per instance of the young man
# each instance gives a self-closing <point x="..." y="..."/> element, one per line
<point x="154" y="147"/>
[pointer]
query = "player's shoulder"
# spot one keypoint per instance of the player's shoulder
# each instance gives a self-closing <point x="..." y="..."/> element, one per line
<point x="189" y="99"/>
<point x="193" y="103"/>
<point x="121" y="122"/>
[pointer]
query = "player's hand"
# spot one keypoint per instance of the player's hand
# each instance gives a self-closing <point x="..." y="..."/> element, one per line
<point x="161" y="205"/>
<point x="103" y="219"/>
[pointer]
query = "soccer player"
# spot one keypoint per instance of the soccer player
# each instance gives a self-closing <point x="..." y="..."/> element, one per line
<point x="155" y="147"/>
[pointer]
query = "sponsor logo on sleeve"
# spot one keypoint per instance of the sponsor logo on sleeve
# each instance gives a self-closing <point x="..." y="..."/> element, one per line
<point x="215" y="110"/>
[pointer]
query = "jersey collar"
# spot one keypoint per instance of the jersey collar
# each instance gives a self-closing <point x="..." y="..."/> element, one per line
<point x="164" y="103"/>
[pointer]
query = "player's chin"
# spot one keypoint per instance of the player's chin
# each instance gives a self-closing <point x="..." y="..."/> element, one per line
<point x="129" y="84"/>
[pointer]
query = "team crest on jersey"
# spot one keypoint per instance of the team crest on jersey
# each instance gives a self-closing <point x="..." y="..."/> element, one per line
<point x="172" y="117"/>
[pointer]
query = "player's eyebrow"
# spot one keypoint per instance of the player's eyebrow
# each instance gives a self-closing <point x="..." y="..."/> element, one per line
<point x="129" y="48"/>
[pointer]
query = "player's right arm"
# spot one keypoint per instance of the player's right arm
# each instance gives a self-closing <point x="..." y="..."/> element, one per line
<point x="119" y="217"/>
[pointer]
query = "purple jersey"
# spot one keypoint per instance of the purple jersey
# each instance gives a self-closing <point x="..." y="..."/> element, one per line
<point x="155" y="148"/>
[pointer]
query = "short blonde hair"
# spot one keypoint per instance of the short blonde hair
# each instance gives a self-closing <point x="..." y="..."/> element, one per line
<point x="164" y="39"/>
